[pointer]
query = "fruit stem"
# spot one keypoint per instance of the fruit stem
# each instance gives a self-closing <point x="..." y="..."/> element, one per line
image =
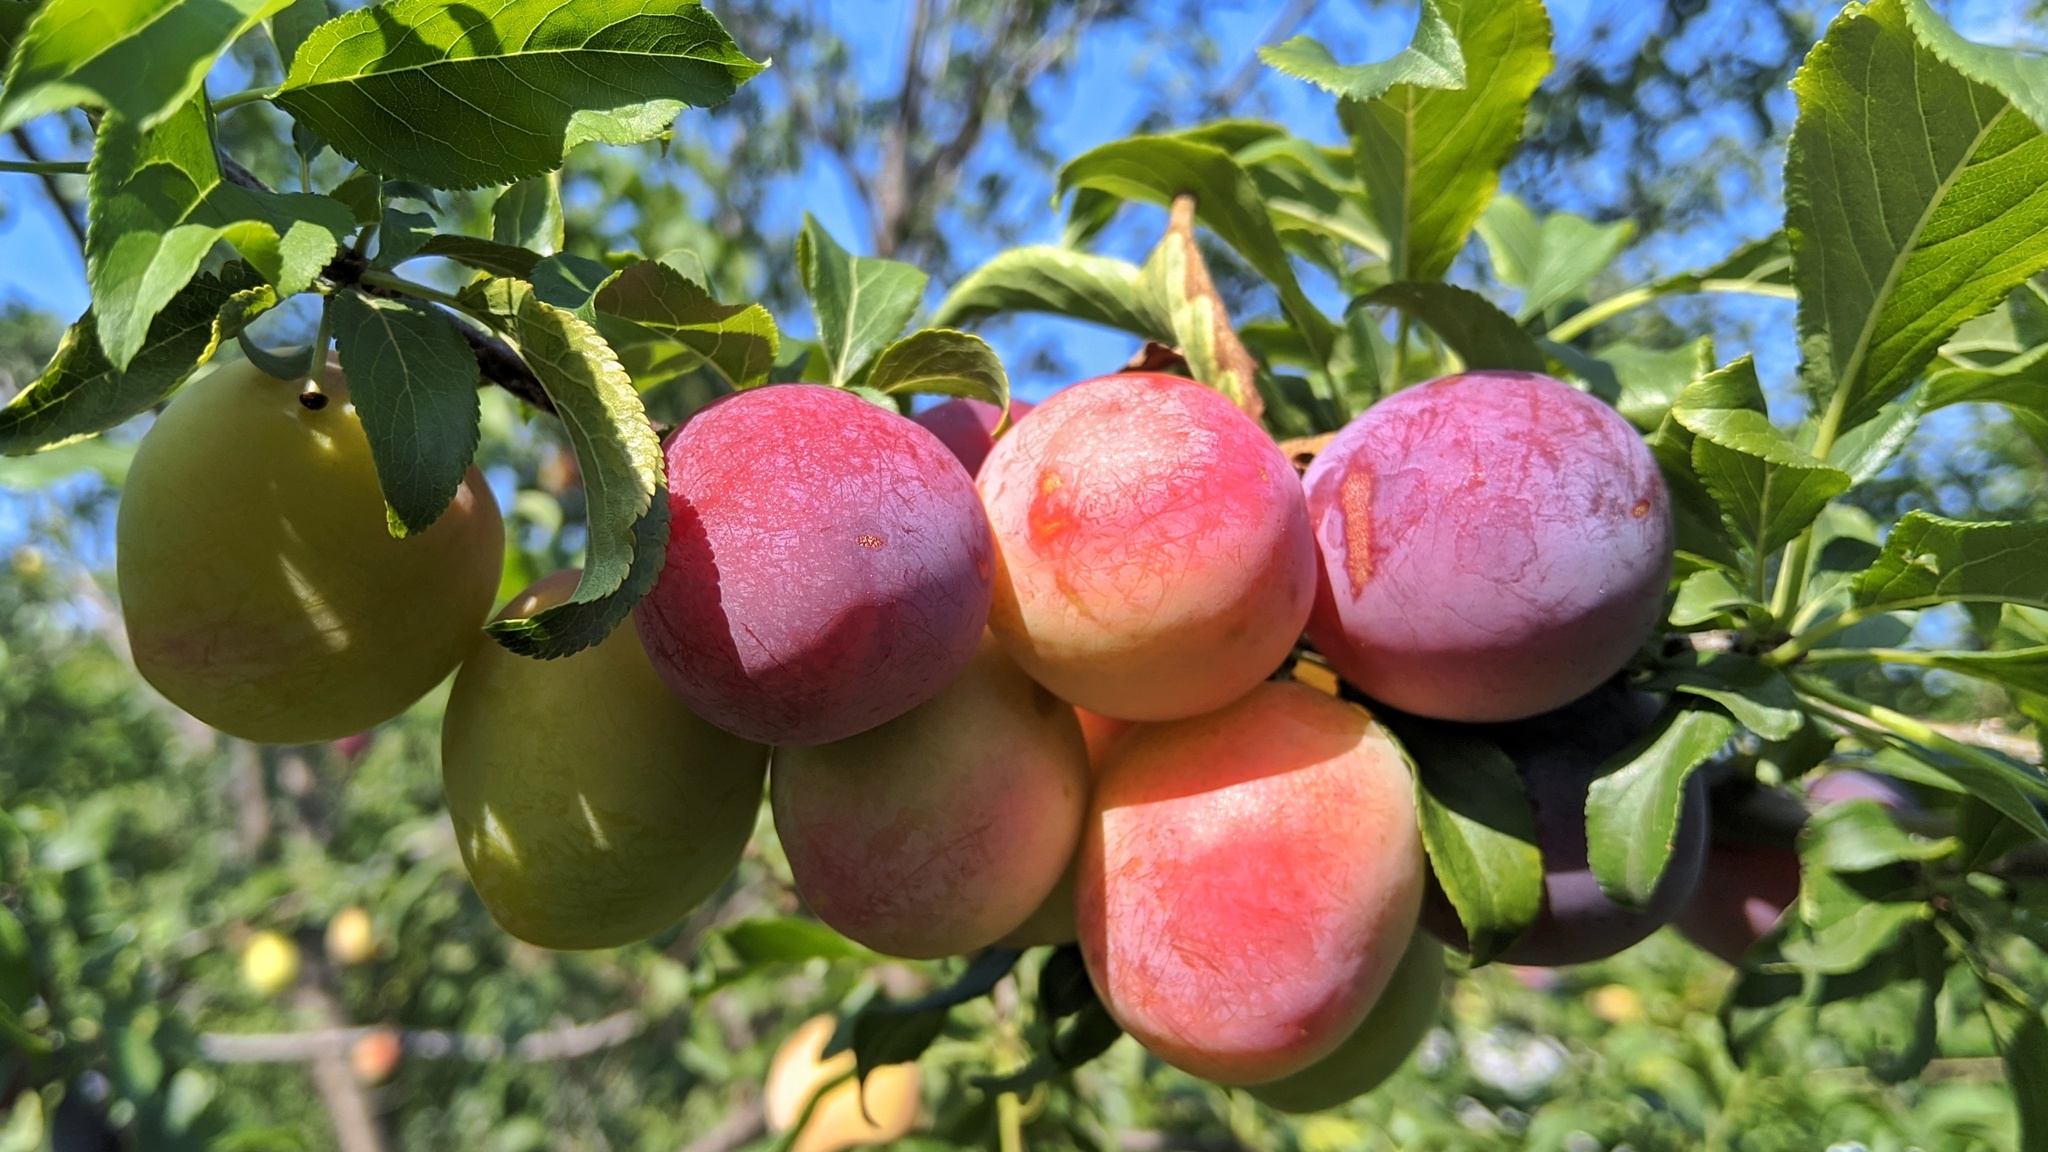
<point x="237" y="99"/>
<point x="1579" y="322"/>
<point x="1010" y="1122"/>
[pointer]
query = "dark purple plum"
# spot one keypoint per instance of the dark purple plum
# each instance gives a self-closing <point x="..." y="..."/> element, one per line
<point x="1853" y="784"/>
<point x="1494" y="545"/>
<point x="968" y="427"/>
<point x="829" y="566"/>
<point x="1558" y="756"/>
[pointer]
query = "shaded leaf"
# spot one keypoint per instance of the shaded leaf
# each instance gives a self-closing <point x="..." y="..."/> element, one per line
<point x="482" y="255"/>
<point x="889" y="1033"/>
<point x="788" y="940"/>
<point x="1632" y="811"/>
<point x="140" y="60"/>
<point x="2023" y="668"/>
<point x="1482" y="335"/>
<point x="1847" y="924"/>
<point x="940" y="361"/>
<point x="1860" y="835"/>
<point x="1060" y="282"/>
<point x="1929" y="560"/>
<point x="2026" y="1070"/>
<point x="1769" y="489"/>
<point x="529" y="215"/>
<point x="664" y="307"/>
<point x="1756" y="695"/>
<point x="1431" y="60"/>
<point x="413" y="381"/>
<point x="81" y="394"/>
<point x="394" y="86"/>
<point x="861" y="303"/>
<point x="569" y="281"/>
<point x="1478" y="828"/>
<point x="296" y="21"/>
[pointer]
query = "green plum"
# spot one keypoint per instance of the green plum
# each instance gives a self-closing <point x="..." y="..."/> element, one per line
<point x="591" y="807"/>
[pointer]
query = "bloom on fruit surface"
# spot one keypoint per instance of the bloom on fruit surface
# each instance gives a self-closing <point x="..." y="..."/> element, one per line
<point x="1155" y="554"/>
<point x="270" y="963"/>
<point x="1494" y="545"/>
<point x="260" y="586"/>
<point x="591" y="807"/>
<point x="846" y="1114"/>
<point x="828" y="566"/>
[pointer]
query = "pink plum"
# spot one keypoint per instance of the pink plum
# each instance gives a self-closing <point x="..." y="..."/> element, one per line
<point x="968" y="427"/>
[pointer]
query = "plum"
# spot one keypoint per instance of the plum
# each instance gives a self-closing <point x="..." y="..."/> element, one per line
<point x="1377" y="1047"/>
<point x="1249" y="879"/>
<point x="1494" y="545"/>
<point x="1558" y="756"/>
<point x="940" y="831"/>
<point x="968" y="427"/>
<point x="1748" y="887"/>
<point x="1154" y="554"/>
<point x="591" y="808"/>
<point x="828" y="568"/>
<point x="262" y="591"/>
<point x="848" y="1114"/>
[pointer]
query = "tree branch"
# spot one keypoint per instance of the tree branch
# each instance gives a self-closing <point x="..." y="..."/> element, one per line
<point x="73" y="221"/>
<point x="533" y="1048"/>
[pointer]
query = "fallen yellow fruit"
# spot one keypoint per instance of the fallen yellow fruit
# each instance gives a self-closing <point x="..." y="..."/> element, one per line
<point x="799" y="1071"/>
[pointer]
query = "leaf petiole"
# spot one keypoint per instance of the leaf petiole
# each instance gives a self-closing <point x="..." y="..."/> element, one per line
<point x="237" y="99"/>
<point x="378" y="278"/>
<point x="45" y="167"/>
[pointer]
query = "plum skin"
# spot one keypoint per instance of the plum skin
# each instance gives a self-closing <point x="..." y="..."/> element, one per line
<point x="1494" y="544"/>
<point x="1154" y="554"/>
<point x="942" y="830"/>
<point x="1248" y="881"/>
<point x="828" y="567"/>
<point x="1399" y="1019"/>
<point x="967" y="427"/>
<point x="260" y="588"/>
<point x="591" y="808"/>
<point x="1558" y="755"/>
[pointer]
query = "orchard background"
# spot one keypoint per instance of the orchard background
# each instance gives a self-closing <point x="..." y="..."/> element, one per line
<point x="147" y="856"/>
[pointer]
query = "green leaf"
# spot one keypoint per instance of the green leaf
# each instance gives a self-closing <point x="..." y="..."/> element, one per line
<point x="17" y="964"/>
<point x="482" y="255"/>
<point x="138" y="59"/>
<point x="889" y="1033"/>
<point x="529" y="215"/>
<point x="1431" y="60"/>
<point x="1478" y="829"/>
<point x="1058" y="281"/>
<point x="1482" y="335"/>
<point x="401" y="235"/>
<point x="1913" y="200"/>
<point x="296" y="21"/>
<point x="395" y="87"/>
<point x="861" y="303"/>
<point x="1313" y="192"/>
<point x="1859" y="835"/>
<point x="1756" y="695"/>
<point x="1158" y="169"/>
<point x="940" y="361"/>
<point x="81" y="394"/>
<point x="1708" y="595"/>
<point x="1930" y="560"/>
<point x="788" y="940"/>
<point x="109" y="459"/>
<point x="569" y="281"/>
<point x="1650" y="380"/>
<point x="1769" y="489"/>
<point x="2019" y="383"/>
<point x="1760" y="264"/>
<point x="1430" y="157"/>
<point x="655" y="315"/>
<point x="1632" y="811"/>
<point x="1549" y="260"/>
<point x="14" y="16"/>
<point x="159" y="205"/>
<point x="1701" y="529"/>
<point x="1849" y="921"/>
<point x="617" y="453"/>
<point x="2023" y="668"/>
<point x="413" y="381"/>
<point x="1177" y="281"/>
<point x="2026" y="1071"/>
<point x="296" y="364"/>
<point x="1864" y="450"/>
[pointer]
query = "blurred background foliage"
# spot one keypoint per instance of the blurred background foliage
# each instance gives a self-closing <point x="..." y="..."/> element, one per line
<point x="141" y="853"/>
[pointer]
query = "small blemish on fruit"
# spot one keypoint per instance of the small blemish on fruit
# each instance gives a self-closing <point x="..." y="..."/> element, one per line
<point x="1354" y="503"/>
<point x="1050" y="482"/>
<point x="1641" y="509"/>
<point x="869" y="541"/>
<point x="312" y="401"/>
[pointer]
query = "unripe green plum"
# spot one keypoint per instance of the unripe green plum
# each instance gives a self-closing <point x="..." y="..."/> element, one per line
<point x="261" y="589"/>
<point x="1396" y="1024"/>
<point x="1249" y="880"/>
<point x="942" y="830"/>
<point x="1154" y="554"/>
<point x="591" y="807"/>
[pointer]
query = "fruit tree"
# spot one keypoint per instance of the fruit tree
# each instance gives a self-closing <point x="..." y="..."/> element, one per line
<point x="1392" y="613"/>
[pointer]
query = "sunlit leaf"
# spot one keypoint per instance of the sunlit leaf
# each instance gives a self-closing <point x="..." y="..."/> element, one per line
<point x="138" y="59"/>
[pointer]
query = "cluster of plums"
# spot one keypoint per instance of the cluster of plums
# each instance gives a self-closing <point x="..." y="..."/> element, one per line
<point x="1026" y="701"/>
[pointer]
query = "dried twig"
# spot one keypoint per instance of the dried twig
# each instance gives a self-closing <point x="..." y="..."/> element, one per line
<point x="65" y="206"/>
